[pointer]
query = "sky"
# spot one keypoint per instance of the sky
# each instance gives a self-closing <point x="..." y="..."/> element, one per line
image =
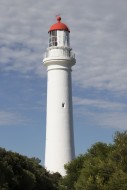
<point x="98" y="38"/>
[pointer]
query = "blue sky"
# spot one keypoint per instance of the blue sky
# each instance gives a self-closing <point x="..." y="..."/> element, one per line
<point x="98" y="38"/>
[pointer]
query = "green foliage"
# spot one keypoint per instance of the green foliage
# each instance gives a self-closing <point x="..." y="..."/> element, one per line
<point x="73" y="171"/>
<point x="18" y="172"/>
<point x="118" y="181"/>
<point x="94" y="172"/>
<point x="103" y="167"/>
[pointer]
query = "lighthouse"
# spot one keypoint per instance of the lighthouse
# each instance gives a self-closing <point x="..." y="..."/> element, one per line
<point x="59" y="59"/>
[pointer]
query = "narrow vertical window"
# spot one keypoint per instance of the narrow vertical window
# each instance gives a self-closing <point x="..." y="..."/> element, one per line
<point x="67" y="38"/>
<point x="53" y="38"/>
<point x="63" y="105"/>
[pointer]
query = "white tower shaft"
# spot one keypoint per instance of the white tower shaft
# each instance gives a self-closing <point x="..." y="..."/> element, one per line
<point x="59" y="134"/>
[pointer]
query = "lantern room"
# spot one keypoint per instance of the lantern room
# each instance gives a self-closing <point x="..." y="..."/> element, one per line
<point x="59" y="34"/>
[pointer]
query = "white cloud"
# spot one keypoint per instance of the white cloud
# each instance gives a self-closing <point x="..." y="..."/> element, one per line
<point x="101" y="104"/>
<point x="10" y="118"/>
<point x="115" y="120"/>
<point x="101" y="113"/>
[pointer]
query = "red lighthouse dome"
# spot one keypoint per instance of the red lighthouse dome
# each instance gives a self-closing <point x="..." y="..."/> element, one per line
<point x="59" y="25"/>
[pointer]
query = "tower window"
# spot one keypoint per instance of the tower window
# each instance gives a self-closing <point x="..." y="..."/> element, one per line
<point x="53" y="38"/>
<point x="67" y="38"/>
<point x="63" y="105"/>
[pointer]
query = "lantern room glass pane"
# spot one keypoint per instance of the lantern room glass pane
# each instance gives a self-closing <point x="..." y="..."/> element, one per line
<point x="53" y="38"/>
<point x="67" y="39"/>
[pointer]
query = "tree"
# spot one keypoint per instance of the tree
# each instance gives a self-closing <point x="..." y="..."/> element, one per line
<point x="73" y="171"/>
<point x="96" y="168"/>
<point x="19" y="172"/>
<point x="102" y="167"/>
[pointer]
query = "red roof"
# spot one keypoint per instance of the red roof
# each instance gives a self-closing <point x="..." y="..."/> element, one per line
<point x="59" y="26"/>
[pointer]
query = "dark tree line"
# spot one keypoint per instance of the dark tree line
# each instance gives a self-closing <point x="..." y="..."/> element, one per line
<point x="18" y="172"/>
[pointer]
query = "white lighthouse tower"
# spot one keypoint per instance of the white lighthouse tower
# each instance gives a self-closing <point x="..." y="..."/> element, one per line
<point x="59" y="125"/>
